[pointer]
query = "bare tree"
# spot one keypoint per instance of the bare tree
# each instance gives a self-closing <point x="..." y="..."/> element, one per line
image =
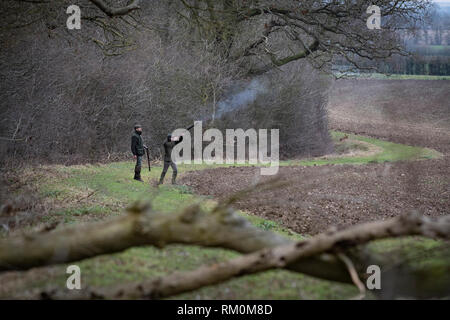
<point x="315" y="30"/>
<point x="60" y="95"/>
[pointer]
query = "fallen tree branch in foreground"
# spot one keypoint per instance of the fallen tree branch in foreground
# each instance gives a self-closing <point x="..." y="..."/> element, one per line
<point x="354" y="274"/>
<point x="265" y="259"/>
<point x="222" y="227"/>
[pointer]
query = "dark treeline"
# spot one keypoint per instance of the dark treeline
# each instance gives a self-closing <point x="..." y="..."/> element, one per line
<point x="418" y="65"/>
<point x="428" y="45"/>
<point x="74" y="95"/>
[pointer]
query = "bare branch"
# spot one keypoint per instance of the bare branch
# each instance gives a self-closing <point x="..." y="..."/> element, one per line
<point x="354" y="274"/>
<point x="274" y="258"/>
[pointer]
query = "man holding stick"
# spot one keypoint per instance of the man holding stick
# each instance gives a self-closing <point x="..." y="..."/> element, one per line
<point x="138" y="150"/>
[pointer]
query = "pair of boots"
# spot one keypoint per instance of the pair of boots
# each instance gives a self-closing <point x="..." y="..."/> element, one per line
<point x="137" y="175"/>
<point x="174" y="177"/>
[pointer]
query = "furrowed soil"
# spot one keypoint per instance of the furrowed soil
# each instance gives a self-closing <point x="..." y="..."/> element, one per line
<point x="316" y="198"/>
<point x="413" y="112"/>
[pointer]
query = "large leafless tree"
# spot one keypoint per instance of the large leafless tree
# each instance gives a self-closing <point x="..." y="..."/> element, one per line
<point x="279" y="32"/>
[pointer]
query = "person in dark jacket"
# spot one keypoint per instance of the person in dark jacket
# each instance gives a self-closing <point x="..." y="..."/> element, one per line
<point x="168" y="146"/>
<point x="138" y="150"/>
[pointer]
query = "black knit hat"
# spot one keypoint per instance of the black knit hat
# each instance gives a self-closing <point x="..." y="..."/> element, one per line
<point x="137" y="126"/>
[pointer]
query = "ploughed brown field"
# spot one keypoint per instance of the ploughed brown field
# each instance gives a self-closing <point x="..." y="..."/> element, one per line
<point x="412" y="112"/>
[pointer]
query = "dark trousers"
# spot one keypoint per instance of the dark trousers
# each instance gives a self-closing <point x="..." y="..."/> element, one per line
<point x="138" y="167"/>
<point x="166" y="167"/>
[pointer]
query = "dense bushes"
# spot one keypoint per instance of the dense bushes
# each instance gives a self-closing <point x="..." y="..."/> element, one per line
<point x="292" y="100"/>
<point x="63" y="100"/>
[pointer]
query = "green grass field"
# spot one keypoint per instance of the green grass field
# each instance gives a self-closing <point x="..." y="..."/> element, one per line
<point x="92" y="192"/>
<point x="380" y="76"/>
<point x="389" y="152"/>
<point x="114" y="191"/>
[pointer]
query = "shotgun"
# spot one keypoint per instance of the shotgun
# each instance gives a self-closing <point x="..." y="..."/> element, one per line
<point x="148" y="158"/>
